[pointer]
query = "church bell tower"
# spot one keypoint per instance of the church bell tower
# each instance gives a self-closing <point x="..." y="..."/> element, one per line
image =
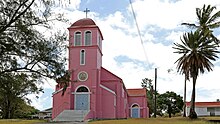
<point x="85" y="61"/>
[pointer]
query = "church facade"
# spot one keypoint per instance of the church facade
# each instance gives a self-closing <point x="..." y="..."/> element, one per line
<point x="94" y="92"/>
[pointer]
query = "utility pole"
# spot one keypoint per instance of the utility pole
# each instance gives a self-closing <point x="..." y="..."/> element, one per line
<point x="184" y="106"/>
<point x="155" y="95"/>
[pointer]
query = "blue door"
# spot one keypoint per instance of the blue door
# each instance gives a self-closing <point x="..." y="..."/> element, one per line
<point x="135" y="113"/>
<point x="82" y="102"/>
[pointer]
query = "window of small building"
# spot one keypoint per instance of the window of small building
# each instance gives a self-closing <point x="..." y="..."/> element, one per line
<point x="88" y="38"/>
<point x="217" y="109"/>
<point x="82" y="57"/>
<point x="77" y="39"/>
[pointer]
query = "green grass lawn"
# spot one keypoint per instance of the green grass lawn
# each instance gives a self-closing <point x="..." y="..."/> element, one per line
<point x="175" y="120"/>
<point x="18" y="121"/>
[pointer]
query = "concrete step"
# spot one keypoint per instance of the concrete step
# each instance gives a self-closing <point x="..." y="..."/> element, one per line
<point x="72" y="115"/>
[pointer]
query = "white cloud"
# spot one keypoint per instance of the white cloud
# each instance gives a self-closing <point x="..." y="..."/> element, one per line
<point x="38" y="103"/>
<point x="164" y="15"/>
<point x="167" y="15"/>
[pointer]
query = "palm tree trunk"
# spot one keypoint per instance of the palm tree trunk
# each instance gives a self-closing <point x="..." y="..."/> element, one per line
<point x="184" y="106"/>
<point x="193" y="114"/>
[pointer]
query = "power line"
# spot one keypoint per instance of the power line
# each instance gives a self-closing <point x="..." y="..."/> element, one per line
<point x="139" y="32"/>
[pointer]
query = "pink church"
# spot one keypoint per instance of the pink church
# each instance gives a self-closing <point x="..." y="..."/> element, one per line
<point x="94" y="92"/>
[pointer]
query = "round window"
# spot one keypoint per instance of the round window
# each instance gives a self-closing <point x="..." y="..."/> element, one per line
<point x="82" y="76"/>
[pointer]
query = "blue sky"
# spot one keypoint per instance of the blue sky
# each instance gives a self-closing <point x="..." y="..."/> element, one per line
<point x="123" y="53"/>
<point x="104" y="7"/>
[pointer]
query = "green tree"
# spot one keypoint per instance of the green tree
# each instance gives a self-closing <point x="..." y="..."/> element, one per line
<point x="23" y="48"/>
<point x="170" y="102"/>
<point x="197" y="51"/>
<point x="147" y="84"/>
<point x="27" y="51"/>
<point x="207" y="21"/>
<point x="13" y="91"/>
<point x="24" y="110"/>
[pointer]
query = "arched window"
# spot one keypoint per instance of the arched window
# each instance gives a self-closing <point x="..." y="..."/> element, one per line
<point x="135" y="111"/>
<point x="82" y="89"/>
<point x="135" y="106"/>
<point x="88" y="38"/>
<point x="77" y="39"/>
<point x="82" y="57"/>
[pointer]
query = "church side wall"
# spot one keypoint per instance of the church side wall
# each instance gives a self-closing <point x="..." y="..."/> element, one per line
<point x="60" y="102"/>
<point x="121" y="100"/>
<point x="120" y="106"/>
<point x="108" y="105"/>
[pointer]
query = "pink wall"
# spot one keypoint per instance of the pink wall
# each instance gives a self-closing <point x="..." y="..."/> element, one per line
<point x="142" y="102"/>
<point x="115" y="83"/>
<point x="60" y="102"/>
<point x="120" y="101"/>
<point x="108" y="108"/>
<point x="91" y="58"/>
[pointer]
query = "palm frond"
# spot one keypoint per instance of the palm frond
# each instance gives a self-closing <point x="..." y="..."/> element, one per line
<point x="197" y="53"/>
<point x="214" y="25"/>
<point x="214" y="17"/>
<point x="190" y="25"/>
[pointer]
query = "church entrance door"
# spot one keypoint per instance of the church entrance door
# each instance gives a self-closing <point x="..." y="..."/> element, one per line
<point x="135" y="111"/>
<point x="82" y="99"/>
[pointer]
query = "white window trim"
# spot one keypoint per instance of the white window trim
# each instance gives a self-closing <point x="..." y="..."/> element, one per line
<point x="115" y="101"/>
<point x="97" y="38"/>
<point x="85" y="38"/>
<point x="82" y="72"/>
<point x="111" y="91"/>
<point x="122" y="95"/>
<point x="57" y="91"/>
<point x="76" y="93"/>
<point x="81" y="57"/>
<point x="138" y="109"/>
<point x="82" y="86"/>
<point x="75" y="38"/>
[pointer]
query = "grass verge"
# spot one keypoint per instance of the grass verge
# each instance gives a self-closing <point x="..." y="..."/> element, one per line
<point x="19" y="121"/>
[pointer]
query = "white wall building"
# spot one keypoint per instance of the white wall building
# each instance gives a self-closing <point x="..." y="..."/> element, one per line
<point x="205" y="108"/>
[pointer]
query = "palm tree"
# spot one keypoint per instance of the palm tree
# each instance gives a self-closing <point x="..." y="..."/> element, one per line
<point x="206" y="21"/>
<point x="184" y="98"/>
<point x="197" y="53"/>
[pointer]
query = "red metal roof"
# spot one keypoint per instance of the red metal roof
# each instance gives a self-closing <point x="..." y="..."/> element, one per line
<point x="84" y="22"/>
<point x="205" y="104"/>
<point x="136" y="92"/>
